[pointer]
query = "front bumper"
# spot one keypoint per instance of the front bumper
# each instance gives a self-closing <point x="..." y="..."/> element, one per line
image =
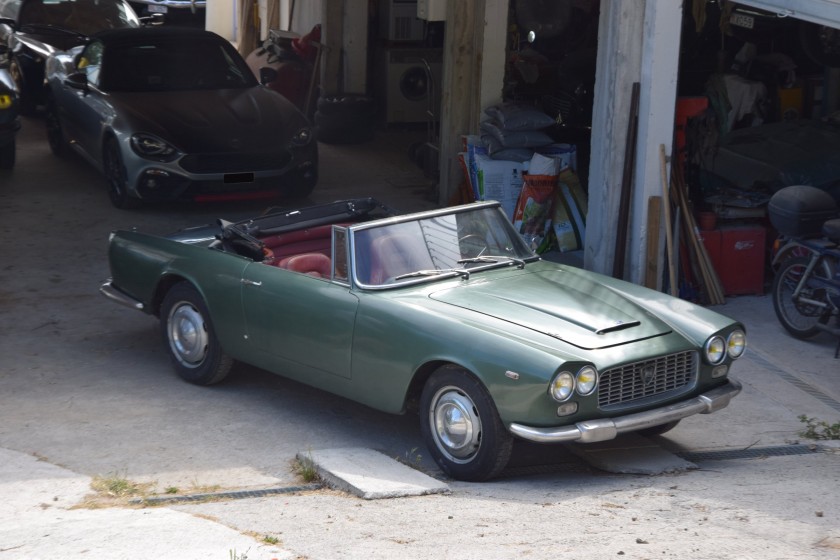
<point x="108" y="290"/>
<point x="590" y="431"/>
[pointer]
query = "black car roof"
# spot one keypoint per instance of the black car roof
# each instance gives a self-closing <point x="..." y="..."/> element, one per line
<point x="131" y="35"/>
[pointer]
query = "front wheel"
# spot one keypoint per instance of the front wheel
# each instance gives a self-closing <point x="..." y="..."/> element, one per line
<point x="801" y="313"/>
<point x="190" y="338"/>
<point x="115" y="176"/>
<point x="461" y="426"/>
<point x="55" y="133"/>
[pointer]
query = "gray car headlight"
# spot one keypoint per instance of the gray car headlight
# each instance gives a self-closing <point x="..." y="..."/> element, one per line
<point x="302" y="137"/>
<point x="562" y="386"/>
<point x="151" y="147"/>
<point x="736" y="343"/>
<point x="715" y="349"/>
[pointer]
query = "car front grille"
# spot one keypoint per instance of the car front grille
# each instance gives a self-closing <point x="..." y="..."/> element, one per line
<point x="658" y="376"/>
<point x="234" y="163"/>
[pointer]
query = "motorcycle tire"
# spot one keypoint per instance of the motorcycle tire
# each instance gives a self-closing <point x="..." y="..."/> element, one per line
<point x="347" y="104"/>
<point x="800" y="317"/>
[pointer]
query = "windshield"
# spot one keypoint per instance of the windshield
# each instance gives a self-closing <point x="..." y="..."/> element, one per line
<point x="82" y="16"/>
<point x="174" y="64"/>
<point x="426" y="248"/>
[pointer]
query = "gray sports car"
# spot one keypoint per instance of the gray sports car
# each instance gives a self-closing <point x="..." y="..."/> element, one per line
<point x="176" y="113"/>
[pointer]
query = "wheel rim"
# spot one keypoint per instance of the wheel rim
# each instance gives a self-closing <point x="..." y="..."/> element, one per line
<point x="187" y="335"/>
<point x="455" y="424"/>
<point x="800" y="315"/>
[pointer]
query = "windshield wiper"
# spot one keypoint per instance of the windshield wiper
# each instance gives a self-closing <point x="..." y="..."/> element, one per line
<point x="435" y="272"/>
<point x="490" y="259"/>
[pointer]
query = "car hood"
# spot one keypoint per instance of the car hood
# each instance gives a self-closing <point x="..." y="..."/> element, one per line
<point x="249" y="120"/>
<point x="565" y="305"/>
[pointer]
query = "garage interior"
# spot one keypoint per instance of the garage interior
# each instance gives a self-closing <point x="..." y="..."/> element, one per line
<point x="756" y="92"/>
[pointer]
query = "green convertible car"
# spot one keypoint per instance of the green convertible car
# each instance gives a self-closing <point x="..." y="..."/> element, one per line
<point x="447" y="312"/>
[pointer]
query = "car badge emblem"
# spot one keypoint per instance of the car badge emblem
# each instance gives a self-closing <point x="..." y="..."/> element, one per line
<point x="648" y="374"/>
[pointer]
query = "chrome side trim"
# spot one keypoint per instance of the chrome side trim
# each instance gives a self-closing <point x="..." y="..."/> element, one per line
<point x="109" y="291"/>
<point x="603" y="429"/>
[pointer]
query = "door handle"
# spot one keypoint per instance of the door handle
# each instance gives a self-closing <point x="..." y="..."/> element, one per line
<point x="250" y="282"/>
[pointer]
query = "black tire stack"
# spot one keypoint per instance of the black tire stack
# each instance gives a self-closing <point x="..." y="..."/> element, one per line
<point x="345" y="119"/>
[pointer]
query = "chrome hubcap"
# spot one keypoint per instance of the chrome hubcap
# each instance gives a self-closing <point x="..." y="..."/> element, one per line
<point x="187" y="335"/>
<point x="455" y="424"/>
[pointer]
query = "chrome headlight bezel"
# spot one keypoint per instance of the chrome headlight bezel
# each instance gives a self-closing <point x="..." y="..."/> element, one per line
<point x="736" y="344"/>
<point x="715" y="350"/>
<point x="562" y="386"/>
<point x="152" y="147"/>
<point x="586" y="381"/>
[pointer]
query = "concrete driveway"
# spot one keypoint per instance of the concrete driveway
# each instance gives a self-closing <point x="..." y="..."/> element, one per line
<point x="87" y="391"/>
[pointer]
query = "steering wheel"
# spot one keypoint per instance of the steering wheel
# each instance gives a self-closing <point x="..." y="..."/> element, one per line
<point x="472" y="245"/>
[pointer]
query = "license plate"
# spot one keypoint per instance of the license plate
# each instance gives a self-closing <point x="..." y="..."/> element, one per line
<point x="155" y="9"/>
<point x="741" y="20"/>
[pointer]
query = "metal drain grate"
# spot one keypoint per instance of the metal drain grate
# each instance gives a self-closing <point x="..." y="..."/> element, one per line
<point x="235" y="495"/>
<point x="750" y="453"/>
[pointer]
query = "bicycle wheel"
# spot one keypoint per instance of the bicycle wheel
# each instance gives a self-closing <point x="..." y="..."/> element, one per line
<point x="801" y="314"/>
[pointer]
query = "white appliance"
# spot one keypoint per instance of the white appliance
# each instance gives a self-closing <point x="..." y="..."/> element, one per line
<point x="410" y="84"/>
<point x="398" y="21"/>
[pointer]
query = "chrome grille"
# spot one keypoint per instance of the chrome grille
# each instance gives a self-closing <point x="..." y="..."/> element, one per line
<point x="649" y="378"/>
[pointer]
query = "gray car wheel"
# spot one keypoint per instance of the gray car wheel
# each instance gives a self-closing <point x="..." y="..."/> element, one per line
<point x="115" y="176"/>
<point x="461" y="426"/>
<point x="190" y="339"/>
<point x="55" y="134"/>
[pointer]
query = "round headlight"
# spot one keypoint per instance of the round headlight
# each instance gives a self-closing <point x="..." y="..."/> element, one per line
<point x="715" y="350"/>
<point x="562" y="386"/>
<point x="586" y="380"/>
<point x="736" y="344"/>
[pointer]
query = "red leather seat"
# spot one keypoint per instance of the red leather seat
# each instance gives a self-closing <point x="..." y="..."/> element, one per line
<point x="313" y="264"/>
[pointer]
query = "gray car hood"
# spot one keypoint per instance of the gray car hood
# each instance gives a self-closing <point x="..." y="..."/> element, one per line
<point x="206" y="121"/>
<point x="567" y="306"/>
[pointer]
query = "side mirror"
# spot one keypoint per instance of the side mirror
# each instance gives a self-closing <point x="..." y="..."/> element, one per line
<point x="77" y="80"/>
<point x="267" y="75"/>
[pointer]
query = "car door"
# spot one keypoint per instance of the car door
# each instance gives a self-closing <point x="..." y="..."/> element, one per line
<point x="83" y="109"/>
<point x="299" y="318"/>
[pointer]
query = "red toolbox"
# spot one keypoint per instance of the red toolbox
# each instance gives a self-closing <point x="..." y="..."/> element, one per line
<point x="737" y="253"/>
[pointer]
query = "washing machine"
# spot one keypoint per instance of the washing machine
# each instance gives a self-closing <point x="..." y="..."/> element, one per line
<point x="410" y="83"/>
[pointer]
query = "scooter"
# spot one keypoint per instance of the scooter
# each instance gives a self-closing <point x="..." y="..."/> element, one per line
<point x="806" y="287"/>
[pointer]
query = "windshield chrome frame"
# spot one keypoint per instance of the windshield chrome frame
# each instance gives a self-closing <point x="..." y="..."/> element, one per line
<point x="416" y="217"/>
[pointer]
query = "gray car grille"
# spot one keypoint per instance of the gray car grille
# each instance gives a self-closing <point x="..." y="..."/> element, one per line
<point x="631" y="382"/>
<point x="234" y="163"/>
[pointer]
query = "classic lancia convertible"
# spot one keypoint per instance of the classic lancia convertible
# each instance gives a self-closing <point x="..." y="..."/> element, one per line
<point x="446" y="312"/>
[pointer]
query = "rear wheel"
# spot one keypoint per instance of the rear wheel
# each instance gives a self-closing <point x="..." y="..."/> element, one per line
<point x="461" y="426"/>
<point x="190" y="338"/>
<point x="115" y="176"/>
<point x="801" y="314"/>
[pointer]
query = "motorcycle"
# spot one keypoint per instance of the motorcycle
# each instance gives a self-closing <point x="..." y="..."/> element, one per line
<point x="806" y="287"/>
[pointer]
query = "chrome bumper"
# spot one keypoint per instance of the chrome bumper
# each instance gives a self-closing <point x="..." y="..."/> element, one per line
<point x="110" y="292"/>
<point x="603" y="429"/>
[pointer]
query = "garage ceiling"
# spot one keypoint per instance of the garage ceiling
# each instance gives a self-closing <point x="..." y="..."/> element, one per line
<point x="823" y="12"/>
